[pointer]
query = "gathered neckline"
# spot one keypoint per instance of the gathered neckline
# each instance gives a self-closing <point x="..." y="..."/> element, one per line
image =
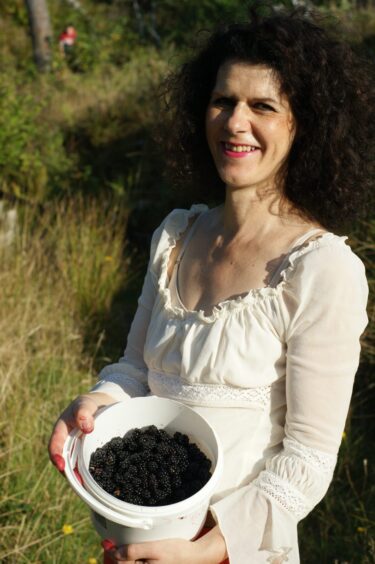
<point x="224" y="307"/>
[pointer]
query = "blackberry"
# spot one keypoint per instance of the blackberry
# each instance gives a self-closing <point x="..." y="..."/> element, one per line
<point x="132" y="471"/>
<point x="123" y="465"/>
<point x="193" y="451"/>
<point x="181" y="439"/>
<point x="203" y="475"/>
<point x="143" y="468"/>
<point x="150" y="467"/>
<point x="159" y="458"/>
<point x="180" y="494"/>
<point x="115" y="443"/>
<point x="137" y="483"/>
<point x="164" y="437"/>
<point x="135" y="459"/>
<point x="136" y="500"/>
<point x="152" y="481"/>
<point x="193" y="468"/>
<point x="134" y="434"/>
<point x="160" y="495"/>
<point x="176" y="481"/>
<point x="164" y="449"/>
<point x="132" y="447"/>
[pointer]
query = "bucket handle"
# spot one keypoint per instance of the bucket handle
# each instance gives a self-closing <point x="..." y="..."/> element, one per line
<point x="70" y="457"/>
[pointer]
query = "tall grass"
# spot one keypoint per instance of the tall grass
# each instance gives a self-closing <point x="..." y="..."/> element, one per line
<point x="60" y="275"/>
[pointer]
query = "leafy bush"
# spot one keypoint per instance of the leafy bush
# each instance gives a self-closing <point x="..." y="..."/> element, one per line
<point x="32" y="156"/>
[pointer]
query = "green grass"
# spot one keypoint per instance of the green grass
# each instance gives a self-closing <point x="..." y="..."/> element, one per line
<point x="46" y="360"/>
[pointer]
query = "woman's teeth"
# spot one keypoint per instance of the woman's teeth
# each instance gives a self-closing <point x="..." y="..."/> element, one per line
<point x="239" y="148"/>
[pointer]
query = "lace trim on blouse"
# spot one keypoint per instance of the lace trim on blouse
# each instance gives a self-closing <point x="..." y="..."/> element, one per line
<point x="283" y="491"/>
<point x="177" y="225"/>
<point x="279" y="555"/>
<point x="286" y="495"/>
<point x="208" y="394"/>
<point x="319" y="460"/>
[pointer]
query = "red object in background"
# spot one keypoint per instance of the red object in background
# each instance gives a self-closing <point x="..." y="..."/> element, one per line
<point x="68" y="36"/>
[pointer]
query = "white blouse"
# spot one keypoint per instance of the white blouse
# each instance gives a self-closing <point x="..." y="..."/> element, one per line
<point x="272" y="372"/>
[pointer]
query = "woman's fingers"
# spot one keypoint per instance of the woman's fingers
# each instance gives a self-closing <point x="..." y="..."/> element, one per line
<point x="111" y="557"/>
<point x="84" y="409"/>
<point x="120" y="554"/>
<point x="79" y="414"/>
<point x="56" y="444"/>
<point x="135" y="553"/>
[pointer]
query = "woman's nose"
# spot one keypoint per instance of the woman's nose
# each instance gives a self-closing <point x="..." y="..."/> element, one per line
<point x="239" y="120"/>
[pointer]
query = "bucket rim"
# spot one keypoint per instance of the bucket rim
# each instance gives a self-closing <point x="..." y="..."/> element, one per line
<point x="171" y="510"/>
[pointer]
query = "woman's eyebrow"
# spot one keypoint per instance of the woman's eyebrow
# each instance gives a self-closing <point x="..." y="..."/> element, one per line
<point x="266" y="99"/>
<point x="255" y="98"/>
<point x="222" y="93"/>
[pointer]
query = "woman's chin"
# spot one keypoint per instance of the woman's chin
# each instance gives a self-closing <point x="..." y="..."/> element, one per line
<point x="234" y="186"/>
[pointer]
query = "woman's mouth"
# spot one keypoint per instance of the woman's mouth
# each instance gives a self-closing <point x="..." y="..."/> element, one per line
<point x="238" y="151"/>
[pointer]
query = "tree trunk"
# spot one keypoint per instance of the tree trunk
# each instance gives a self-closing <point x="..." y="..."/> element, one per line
<point x="41" y="32"/>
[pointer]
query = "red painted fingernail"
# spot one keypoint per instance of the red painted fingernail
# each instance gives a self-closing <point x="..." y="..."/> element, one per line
<point x="59" y="462"/>
<point x="107" y="544"/>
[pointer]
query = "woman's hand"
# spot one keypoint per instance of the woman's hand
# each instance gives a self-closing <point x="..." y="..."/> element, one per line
<point x="209" y="549"/>
<point x="80" y="413"/>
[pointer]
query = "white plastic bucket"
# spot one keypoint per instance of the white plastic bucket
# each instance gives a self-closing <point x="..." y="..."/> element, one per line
<point x="123" y="522"/>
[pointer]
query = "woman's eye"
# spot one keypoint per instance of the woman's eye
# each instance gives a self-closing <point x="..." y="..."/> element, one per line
<point x="264" y="106"/>
<point x="222" y="102"/>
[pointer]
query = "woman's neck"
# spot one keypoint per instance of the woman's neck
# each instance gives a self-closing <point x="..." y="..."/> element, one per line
<point x="248" y="214"/>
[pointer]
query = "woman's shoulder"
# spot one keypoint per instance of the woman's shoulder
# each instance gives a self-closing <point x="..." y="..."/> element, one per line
<point x="165" y="238"/>
<point x="324" y="264"/>
<point x="176" y="221"/>
<point x="328" y="245"/>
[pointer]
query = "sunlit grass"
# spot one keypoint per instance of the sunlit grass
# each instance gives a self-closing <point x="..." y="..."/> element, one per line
<point x="52" y="288"/>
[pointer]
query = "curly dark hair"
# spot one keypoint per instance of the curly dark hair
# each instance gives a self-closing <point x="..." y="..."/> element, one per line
<point x="330" y="169"/>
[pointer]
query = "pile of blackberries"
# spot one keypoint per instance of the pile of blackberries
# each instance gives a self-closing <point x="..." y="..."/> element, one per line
<point x="150" y="467"/>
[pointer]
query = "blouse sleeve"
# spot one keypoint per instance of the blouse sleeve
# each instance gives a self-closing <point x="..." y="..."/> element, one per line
<point x="324" y="299"/>
<point x="128" y="377"/>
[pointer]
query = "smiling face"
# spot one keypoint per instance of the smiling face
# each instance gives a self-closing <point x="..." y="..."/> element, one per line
<point x="249" y="125"/>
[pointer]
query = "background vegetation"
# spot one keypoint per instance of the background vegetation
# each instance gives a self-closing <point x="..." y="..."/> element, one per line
<point x="78" y="161"/>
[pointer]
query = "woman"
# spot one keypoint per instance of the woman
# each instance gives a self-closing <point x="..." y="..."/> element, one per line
<point x="251" y="312"/>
